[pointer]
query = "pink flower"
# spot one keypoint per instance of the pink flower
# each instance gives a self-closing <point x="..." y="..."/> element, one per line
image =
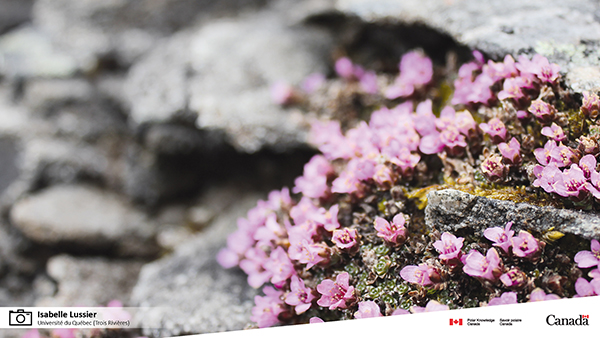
<point x="315" y="320"/>
<point x="453" y="140"/>
<point x="511" y="89"/>
<point x="267" y="309"/>
<point x="584" y="288"/>
<point x="514" y="278"/>
<point x="383" y="175"/>
<point x="544" y="70"/>
<point x="511" y="152"/>
<point x="500" y="237"/>
<point x="393" y="233"/>
<point x="591" y="104"/>
<point x="282" y="93"/>
<point x="313" y="183"/>
<point x="344" y="68"/>
<point x="543" y="154"/>
<point x="252" y="265"/>
<point x="504" y="299"/>
<point x="344" y="238"/>
<point x="547" y="177"/>
<point x="542" y="110"/>
<point x="399" y="312"/>
<point x="425" y="119"/>
<point x="588" y="259"/>
<point x="538" y="295"/>
<point x="280" y="266"/>
<point x="368" y="83"/>
<point x="64" y="333"/>
<point x="495" y="128"/>
<point x="493" y="168"/>
<point x="431" y="144"/>
<point x="336" y="294"/>
<point x="572" y="184"/>
<point x="561" y="156"/>
<point x="415" y="68"/>
<point x="449" y="246"/>
<point x="524" y="244"/>
<point x="587" y="164"/>
<point x="465" y="123"/>
<point x="312" y="82"/>
<point x="367" y="309"/>
<point x="227" y="258"/>
<point x="399" y="89"/>
<point x="417" y="274"/>
<point x="477" y="265"/>
<point x="308" y="253"/>
<point x="328" y="137"/>
<point x="299" y="296"/>
<point x="554" y="132"/>
<point x="431" y="306"/>
<point x="330" y="218"/>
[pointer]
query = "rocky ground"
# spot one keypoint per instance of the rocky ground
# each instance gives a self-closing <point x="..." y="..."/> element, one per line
<point x="134" y="133"/>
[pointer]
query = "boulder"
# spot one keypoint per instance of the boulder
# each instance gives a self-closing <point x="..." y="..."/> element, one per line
<point x="85" y="219"/>
<point x="451" y="210"/>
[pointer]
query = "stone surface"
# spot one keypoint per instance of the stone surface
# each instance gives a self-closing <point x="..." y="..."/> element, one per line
<point x="189" y="292"/>
<point x="124" y="29"/>
<point x="567" y="32"/>
<point x="85" y="218"/>
<point x="14" y="13"/>
<point x="27" y="52"/>
<point x="89" y="281"/>
<point x="451" y="210"/>
<point x="222" y="72"/>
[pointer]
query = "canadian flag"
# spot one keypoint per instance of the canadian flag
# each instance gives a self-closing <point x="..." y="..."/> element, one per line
<point x="455" y="321"/>
<point x="585" y="316"/>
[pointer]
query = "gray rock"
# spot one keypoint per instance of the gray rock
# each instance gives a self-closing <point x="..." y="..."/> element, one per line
<point x="451" y="210"/>
<point x="89" y="281"/>
<point x="189" y="292"/>
<point x="14" y="13"/>
<point x="567" y="32"/>
<point x="222" y="72"/>
<point x="27" y="52"/>
<point x="85" y="218"/>
<point x="124" y="29"/>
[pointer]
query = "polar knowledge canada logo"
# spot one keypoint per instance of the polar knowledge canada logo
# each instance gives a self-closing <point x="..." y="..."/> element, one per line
<point x="582" y="320"/>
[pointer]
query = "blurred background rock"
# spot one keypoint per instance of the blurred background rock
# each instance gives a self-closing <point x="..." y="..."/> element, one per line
<point x="133" y="133"/>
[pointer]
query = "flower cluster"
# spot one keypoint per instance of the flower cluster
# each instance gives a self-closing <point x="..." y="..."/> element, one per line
<point x="351" y="242"/>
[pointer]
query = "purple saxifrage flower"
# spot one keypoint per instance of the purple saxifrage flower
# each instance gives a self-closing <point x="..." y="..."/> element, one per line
<point x="543" y="154"/>
<point x="584" y="288"/>
<point x="367" y="309"/>
<point x="344" y="238"/>
<point x="495" y="128"/>
<point x="393" y="233"/>
<point x="267" y="309"/>
<point x="514" y="278"/>
<point x="524" y="245"/>
<point x="280" y="266"/>
<point x="417" y="274"/>
<point x="504" y="299"/>
<point x="336" y="294"/>
<point x="554" y="132"/>
<point x="547" y="177"/>
<point x="590" y="106"/>
<point x="431" y="306"/>
<point x="511" y="151"/>
<point x="299" y="296"/>
<point x="500" y="237"/>
<point x="562" y="156"/>
<point x="538" y="295"/>
<point x="315" y="320"/>
<point x="588" y="259"/>
<point x="449" y="246"/>
<point x="477" y="265"/>
<point x="542" y="111"/>
<point x="493" y="169"/>
<point x="587" y="164"/>
<point x="572" y="183"/>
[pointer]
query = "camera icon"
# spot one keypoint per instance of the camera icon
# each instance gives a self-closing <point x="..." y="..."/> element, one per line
<point x="19" y="318"/>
